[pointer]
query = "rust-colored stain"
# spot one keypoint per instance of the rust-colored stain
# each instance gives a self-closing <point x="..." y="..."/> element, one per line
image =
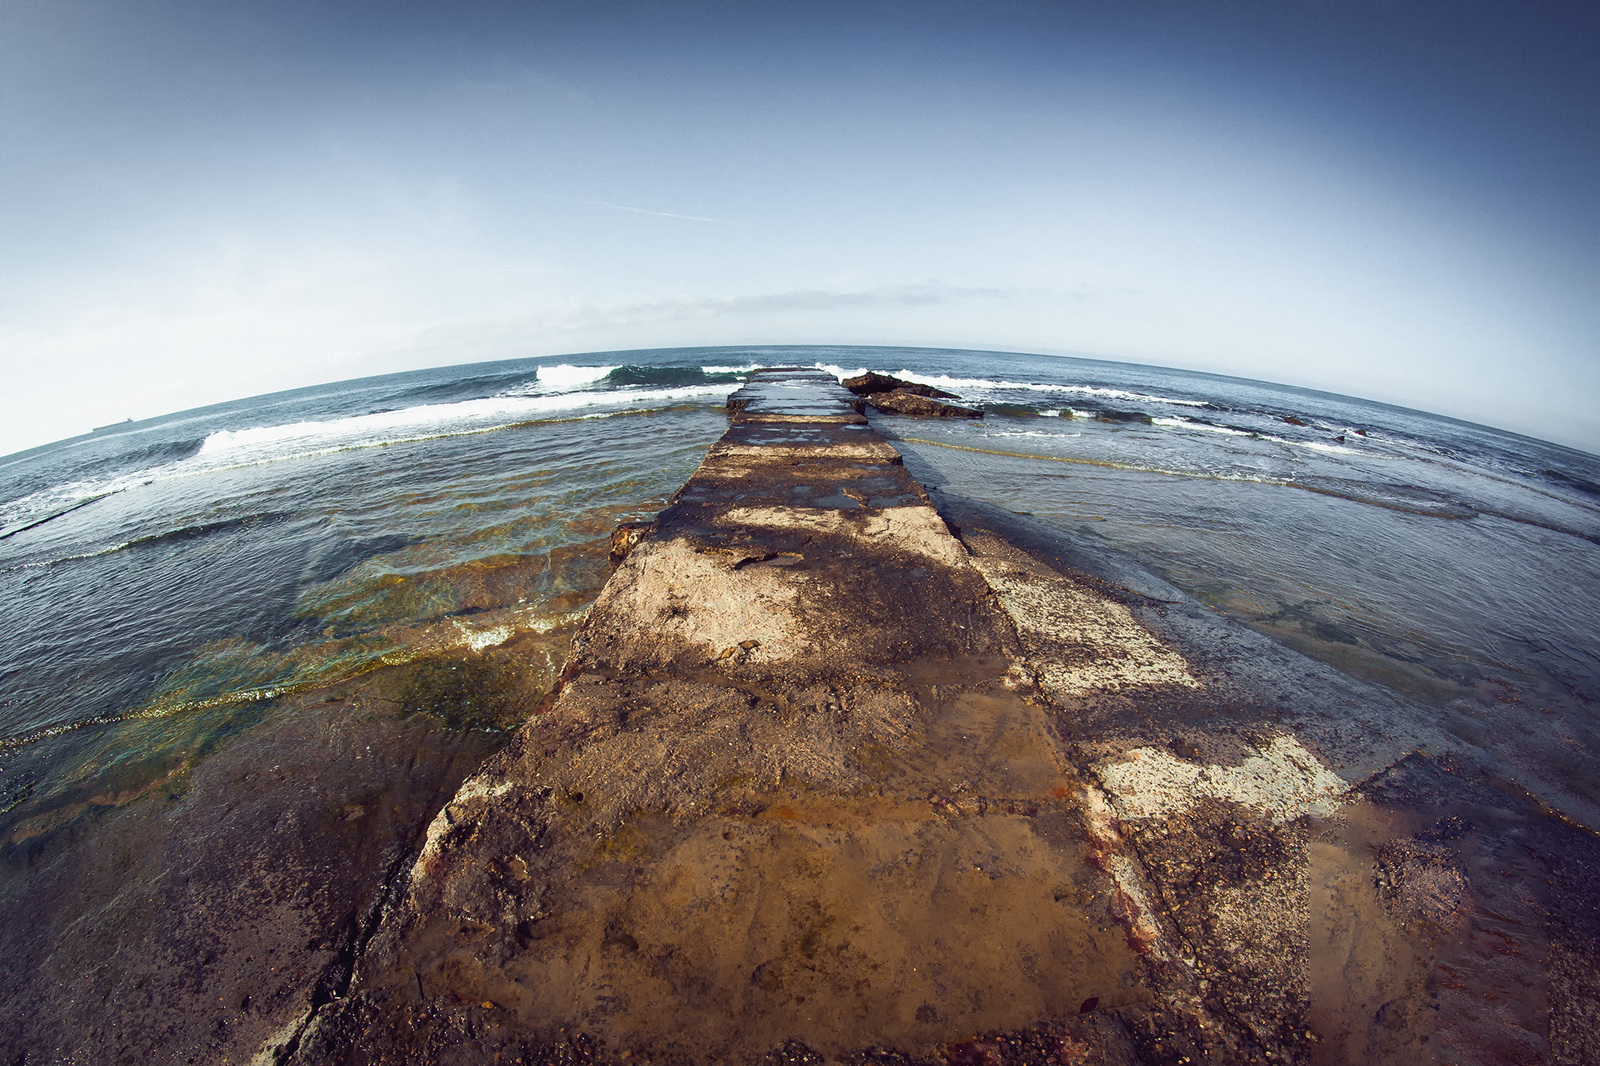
<point x="1448" y="978"/>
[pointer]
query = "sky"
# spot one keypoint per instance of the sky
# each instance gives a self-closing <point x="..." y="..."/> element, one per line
<point x="1393" y="199"/>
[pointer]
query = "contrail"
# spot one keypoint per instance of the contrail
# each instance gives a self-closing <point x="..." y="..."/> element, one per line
<point x="661" y="214"/>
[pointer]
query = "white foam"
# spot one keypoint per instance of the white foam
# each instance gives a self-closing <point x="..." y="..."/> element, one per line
<point x="567" y="378"/>
<point x="40" y="563"/>
<point x="232" y="449"/>
<point x="531" y="620"/>
<point x="425" y="422"/>
<point x="479" y="639"/>
<point x="840" y="372"/>
<point x="998" y="434"/>
<point x="1204" y="427"/>
<point x="731" y="369"/>
<point x="1314" y="445"/>
<point x="945" y="381"/>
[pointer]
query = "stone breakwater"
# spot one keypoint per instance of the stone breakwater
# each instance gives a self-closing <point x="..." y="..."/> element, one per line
<point x="841" y="770"/>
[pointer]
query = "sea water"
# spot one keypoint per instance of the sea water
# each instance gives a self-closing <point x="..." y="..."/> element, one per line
<point x="167" y="584"/>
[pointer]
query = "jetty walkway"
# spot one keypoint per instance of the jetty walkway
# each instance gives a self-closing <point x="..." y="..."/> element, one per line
<point x="842" y="771"/>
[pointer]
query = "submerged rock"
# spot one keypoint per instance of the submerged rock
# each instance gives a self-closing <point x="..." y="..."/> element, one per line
<point x="199" y="923"/>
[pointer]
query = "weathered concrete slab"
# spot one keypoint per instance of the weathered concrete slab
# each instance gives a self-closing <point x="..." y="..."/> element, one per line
<point x="828" y="781"/>
<point x="789" y="793"/>
<point x="796" y="397"/>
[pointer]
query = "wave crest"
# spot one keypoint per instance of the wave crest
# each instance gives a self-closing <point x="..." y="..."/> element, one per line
<point x="229" y="449"/>
<point x="565" y="377"/>
<point x="945" y="381"/>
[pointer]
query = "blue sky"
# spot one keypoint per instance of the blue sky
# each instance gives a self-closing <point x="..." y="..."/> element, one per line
<point x="202" y="201"/>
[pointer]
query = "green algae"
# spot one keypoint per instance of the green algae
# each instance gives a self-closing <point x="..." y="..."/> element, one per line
<point x="492" y="692"/>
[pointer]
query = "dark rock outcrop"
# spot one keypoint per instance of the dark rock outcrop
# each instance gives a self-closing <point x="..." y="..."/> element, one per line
<point x="871" y="383"/>
<point x="896" y="397"/>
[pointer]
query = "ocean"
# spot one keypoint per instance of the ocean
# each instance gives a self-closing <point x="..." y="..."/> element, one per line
<point x="170" y="588"/>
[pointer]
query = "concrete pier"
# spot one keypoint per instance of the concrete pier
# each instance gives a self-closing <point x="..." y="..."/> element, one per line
<point x="844" y="772"/>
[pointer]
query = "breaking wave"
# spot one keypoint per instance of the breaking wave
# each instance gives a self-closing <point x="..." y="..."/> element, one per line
<point x="945" y="381"/>
<point x="1204" y="427"/>
<point x="230" y="449"/>
<point x="567" y="378"/>
<point x="298" y="440"/>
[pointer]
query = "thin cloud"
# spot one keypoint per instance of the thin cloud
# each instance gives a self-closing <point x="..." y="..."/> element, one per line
<point x="660" y="214"/>
<point x="608" y="316"/>
<point x="596" y="324"/>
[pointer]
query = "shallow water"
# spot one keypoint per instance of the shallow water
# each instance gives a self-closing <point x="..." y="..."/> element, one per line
<point x="1452" y="563"/>
<point x="189" y="595"/>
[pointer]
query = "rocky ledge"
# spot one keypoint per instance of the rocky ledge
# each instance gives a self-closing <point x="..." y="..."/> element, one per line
<point x="893" y="396"/>
<point x="844" y="772"/>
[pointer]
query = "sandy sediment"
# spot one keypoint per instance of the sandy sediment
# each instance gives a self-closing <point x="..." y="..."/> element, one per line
<point x="843" y="772"/>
